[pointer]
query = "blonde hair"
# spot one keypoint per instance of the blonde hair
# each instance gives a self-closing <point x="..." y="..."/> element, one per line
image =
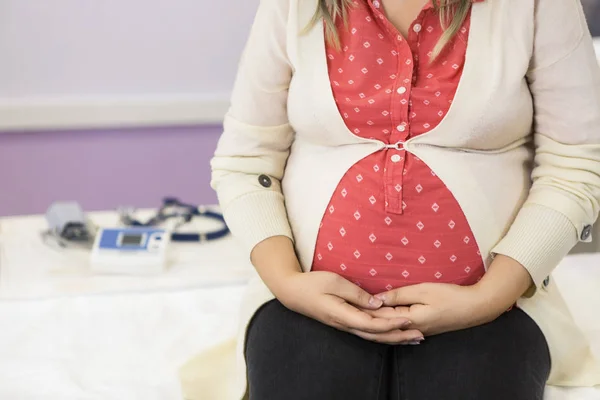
<point x="452" y="15"/>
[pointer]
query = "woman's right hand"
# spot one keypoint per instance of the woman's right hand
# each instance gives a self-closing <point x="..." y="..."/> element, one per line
<point x="335" y="301"/>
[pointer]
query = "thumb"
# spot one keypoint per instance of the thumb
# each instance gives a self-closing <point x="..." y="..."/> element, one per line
<point x="404" y="296"/>
<point x="354" y="295"/>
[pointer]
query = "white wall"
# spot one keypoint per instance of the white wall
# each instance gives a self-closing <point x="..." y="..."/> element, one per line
<point x="104" y="63"/>
<point x="76" y="62"/>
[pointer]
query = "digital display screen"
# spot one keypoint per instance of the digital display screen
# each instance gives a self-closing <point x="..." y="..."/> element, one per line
<point x="131" y="239"/>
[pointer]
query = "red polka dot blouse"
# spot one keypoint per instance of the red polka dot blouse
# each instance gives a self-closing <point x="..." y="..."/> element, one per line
<point x="391" y="221"/>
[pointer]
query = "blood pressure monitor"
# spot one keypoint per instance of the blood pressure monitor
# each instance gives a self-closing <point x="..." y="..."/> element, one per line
<point x="131" y="250"/>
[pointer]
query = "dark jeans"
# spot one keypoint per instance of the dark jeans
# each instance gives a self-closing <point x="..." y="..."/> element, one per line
<point x="292" y="357"/>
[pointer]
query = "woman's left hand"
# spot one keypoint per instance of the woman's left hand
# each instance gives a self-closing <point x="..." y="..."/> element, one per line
<point x="442" y="307"/>
<point x="435" y="308"/>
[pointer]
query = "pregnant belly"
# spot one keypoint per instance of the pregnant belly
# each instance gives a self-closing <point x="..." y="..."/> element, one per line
<point x="429" y="241"/>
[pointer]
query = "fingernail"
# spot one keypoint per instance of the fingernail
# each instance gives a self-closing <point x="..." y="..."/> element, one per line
<point x="406" y="324"/>
<point x="375" y="302"/>
<point x="380" y="297"/>
<point x="413" y="342"/>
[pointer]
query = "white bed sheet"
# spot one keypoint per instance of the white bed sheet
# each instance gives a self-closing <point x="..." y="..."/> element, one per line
<point x="109" y="347"/>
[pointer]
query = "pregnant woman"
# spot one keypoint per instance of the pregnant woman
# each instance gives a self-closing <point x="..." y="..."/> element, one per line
<point x="405" y="175"/>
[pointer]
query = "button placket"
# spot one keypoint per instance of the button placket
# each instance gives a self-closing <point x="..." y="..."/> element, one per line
<point x="413" y="43"/>
<point x="396" y="158"/>
<point x="399" y="112"/>
<point x="395" y="161"/>
<point x="401" y="96"/>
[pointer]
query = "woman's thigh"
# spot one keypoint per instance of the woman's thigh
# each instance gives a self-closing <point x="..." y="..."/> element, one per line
<point x="505" y="359"/>
<point x="292" y="357"/>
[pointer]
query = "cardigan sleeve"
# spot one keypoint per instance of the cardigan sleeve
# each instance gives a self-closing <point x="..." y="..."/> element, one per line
<point x="250" y="158"/>
<point x="564" y="199"/>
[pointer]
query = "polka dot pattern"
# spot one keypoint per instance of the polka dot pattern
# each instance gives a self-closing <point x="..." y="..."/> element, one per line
<point x="391" y="221"/>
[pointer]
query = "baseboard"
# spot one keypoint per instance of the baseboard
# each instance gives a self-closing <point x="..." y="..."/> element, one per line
<point x="94" y="113"/>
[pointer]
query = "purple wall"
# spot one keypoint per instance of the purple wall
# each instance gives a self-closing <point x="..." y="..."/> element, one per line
<point x="103" y="169"/>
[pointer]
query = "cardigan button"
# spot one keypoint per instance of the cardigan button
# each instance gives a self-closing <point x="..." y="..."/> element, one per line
<point x="546" y="282"/>
<point x="264" y="181"/>
<point x="586" y="233"/>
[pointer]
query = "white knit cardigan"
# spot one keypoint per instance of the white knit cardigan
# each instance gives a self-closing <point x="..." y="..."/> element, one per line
<point x="519" y="149"/>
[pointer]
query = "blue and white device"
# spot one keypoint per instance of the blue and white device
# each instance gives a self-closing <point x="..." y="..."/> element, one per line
<point x="130" y="251"/>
